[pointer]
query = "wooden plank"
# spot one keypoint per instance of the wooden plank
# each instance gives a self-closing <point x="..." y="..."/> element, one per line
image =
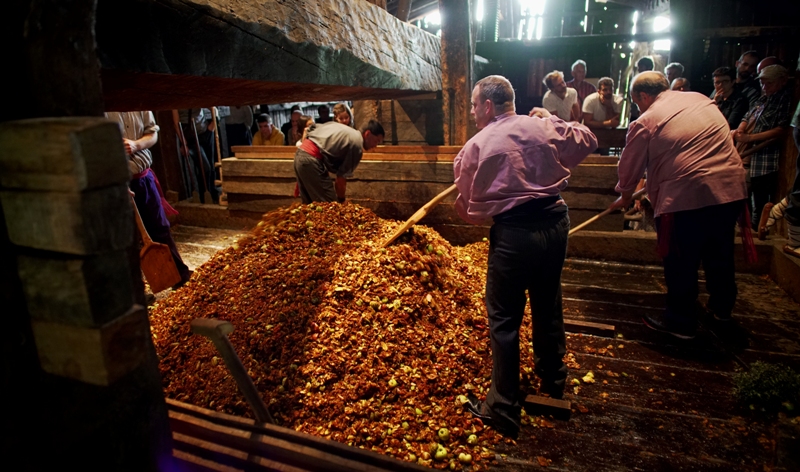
<point x="596" y="176"/>
<point x="587" y="327"/>
<point x="94" y="355"/>
<point x="367" y="170"/>
<point x="598" y="159"/>
<point x="545" y="406"/>
<point x="288" y="61"/>
<point x="86" y="291"/>
<point x="278" y="443"/>
<point x="400" y="149"/>
<point x="357" y="189"/>
<point x="587" y="200"/>
<point x="68" y="154"/>
<point x="71" y="223"/>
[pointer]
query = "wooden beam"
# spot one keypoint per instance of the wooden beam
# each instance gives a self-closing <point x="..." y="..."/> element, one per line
<point x="193" y="53"/>
<point x="456" y="53"/>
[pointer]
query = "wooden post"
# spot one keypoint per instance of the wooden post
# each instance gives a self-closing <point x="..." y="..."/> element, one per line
<point x="77" y="348"/>
<point x="456" y="70"/>
<point x="166" y="158"/>
<point x="403" y="10"/>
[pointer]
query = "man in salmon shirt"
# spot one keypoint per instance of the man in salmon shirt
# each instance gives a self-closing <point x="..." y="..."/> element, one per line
<point x="512" y="173"/>
<point x="696" y="182"/>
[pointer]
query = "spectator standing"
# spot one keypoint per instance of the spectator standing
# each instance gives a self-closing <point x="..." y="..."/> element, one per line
<point x="746" y="82"/>
<point x="267" y="134"/>
<point x="324" y="114"/>
<point x="731" y="102"/>
<point x="673" y="71"/>
<point x="579" y="83"/>
<point x="139" y="134"/>
<point x="559" y="99"/>
<point x="289" y="129"/>
<point x="602" y="109"/>
<point x="770" y="118"/>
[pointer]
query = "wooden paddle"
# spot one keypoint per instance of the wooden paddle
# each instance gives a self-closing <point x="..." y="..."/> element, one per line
<point x="419" y="215"/>
<point x="591" y="220"/>
<point x="156" y="260"/>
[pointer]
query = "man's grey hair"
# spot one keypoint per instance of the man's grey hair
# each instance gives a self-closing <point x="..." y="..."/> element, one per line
<point x="579" y="62"/>
<point x="674" y="65"/>
<point x="606" y="81"/>
<point x="498" y="90"/>
<point x="651" y="84"/>
<point x="549" y="78"/>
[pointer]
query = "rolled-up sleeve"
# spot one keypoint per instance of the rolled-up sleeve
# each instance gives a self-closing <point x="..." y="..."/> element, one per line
<point x="149" y="125"/>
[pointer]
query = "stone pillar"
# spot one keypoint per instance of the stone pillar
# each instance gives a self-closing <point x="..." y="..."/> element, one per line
<point x="456" y="70"/>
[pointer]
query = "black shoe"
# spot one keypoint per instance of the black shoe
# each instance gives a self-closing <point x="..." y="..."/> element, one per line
<point x="724" y="318"/>
<point x="480" y="411"/>
<point x="678" y="332"/>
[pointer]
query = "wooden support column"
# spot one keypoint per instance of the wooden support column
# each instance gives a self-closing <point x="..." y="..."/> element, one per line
<point x="166" y="162"/>
<point x="403" y="10"/>
<point x="456" y="70"/>
<point x="77" y="348"/>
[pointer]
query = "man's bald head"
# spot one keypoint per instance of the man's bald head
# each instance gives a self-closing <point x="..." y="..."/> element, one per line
<point x="646" y="87"/>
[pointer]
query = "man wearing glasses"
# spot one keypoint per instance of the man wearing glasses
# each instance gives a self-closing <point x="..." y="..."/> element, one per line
<point x="731" y="102"/>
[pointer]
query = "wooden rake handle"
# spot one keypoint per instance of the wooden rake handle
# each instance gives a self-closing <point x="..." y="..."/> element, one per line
<point x="142" y="230"/>
<point x="605" y="212"/>
<point x="419" y="215"/>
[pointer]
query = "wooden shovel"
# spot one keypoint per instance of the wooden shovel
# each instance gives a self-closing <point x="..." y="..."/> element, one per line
<point x="156" y="260"/>
<point x="591" y="220"/>
<point x="418" y="215"/>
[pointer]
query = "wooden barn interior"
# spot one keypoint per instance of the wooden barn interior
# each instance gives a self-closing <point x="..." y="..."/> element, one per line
<point x="81" y="372"/>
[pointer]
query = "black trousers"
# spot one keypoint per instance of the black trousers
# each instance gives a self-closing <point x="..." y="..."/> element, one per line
<point x="521" y="259"/>
<point x="763" y="189"/>
<point x="703" y="235"/>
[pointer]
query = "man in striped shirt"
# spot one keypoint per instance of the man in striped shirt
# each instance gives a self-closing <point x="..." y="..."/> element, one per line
<point x="578" y="83"/>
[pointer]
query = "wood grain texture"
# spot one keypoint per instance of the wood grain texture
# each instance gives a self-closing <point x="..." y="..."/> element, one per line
<point x="71" y="223"/>
<point x="61" y="154"/>
<point x="192" y="53"/>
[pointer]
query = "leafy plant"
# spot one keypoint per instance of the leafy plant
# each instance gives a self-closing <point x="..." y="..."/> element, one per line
<point x="771" y="387"/>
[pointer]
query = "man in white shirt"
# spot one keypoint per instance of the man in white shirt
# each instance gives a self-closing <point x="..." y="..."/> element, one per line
<point x="560" y="100"/>
<point x="602" y="109"/>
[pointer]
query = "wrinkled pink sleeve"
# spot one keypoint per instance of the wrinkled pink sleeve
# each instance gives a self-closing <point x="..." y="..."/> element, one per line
<point x="464" y="168"/>
<point x="578" y="142"/>
<point x="633" y="160"/>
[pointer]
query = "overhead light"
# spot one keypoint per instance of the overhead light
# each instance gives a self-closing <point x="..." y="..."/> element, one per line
<point x="661" y="45"/>
<point x="660" y="23"/>
<point x="433" y="19"/>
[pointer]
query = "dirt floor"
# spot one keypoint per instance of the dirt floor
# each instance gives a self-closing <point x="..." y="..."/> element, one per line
<point x="657" y="403"/>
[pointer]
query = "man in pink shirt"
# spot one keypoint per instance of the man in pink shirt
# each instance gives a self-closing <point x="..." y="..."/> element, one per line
<point x="511" y="172"/>
<point x="696" y="183"/>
